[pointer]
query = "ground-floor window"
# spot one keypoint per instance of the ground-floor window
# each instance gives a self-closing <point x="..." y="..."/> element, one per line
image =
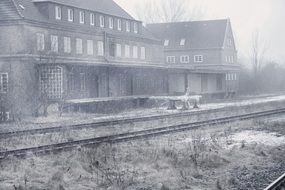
<point x="51" y="82"/>
<point x="3" y="82"/>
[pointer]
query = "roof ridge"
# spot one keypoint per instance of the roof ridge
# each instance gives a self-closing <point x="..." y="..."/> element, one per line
<point x="17" y="8"/>
<point x="181" y="22"/>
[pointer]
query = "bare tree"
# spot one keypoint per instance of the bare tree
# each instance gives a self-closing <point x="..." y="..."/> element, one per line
<point x="155" y="11"/>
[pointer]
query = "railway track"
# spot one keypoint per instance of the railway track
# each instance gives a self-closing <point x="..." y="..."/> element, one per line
<point x="278" y="184"/>
<point x="54" y="148"/>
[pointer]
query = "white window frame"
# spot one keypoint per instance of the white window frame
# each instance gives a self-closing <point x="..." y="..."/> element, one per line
<point x="67" y="44"/>
<point x="2" y="90"/>
<point x="111" y="23"/>
<point x="90" y="47"/>
<point x="128" y="26"/>
<point x="57" y="12"/>
<point x="92" y="19"/>
<point x="118" y="50"/>
<point x="81" y="17"/>
<point x="54" y="43"/>
<point x="127" y="51"/>
<point x="143" y="53"/>
<point x="198" y="58"/>
<point x="70" y="14"/>
<point x="182" y="42"/>
<point x="79" y="46"/>
<point x="100" y="45"/>
<point x="136" y="27"/>
<point x="102" y="21"/>
<point x="119" y="24"/>
<point x="40" y="41"/>
<point x="170" y="59"/>
<point x="135" y="52"/>
<point x="166" y="43"/>
<point x="184" y="59"/>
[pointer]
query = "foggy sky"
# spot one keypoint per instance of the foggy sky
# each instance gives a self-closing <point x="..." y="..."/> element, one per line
<point x="247" y="16"/>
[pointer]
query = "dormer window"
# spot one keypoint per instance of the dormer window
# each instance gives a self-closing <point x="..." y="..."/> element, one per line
<point x="166" y="42"/>
<point x="111" y="23"/>
<point x="135" y="28"/>
<point x="70" y="15"/>
<point x="128" y="26"/>
<point x="182" y="42"/>
<point x="92" y="19"/>
<point x="81" y="17"/>
<point x="57" y="12"/>
<point x="102" y="21"/>
<point x="119" y="22"/>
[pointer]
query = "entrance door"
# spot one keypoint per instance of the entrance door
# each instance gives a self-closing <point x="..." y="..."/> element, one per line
<point x="94" y="86"/>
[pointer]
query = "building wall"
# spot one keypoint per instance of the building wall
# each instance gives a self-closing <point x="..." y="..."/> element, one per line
<point x="177" y="83"/>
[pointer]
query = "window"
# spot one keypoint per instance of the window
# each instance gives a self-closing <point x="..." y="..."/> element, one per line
<point x="70" y="15"/>
<point x="82" y="81"/>
<point x="100" y="45"/>
<point x="170" y="59"/>
<point x="71" y="82"/>
<point x="90" y="49"/>
<point x="135" y="27"/>
<point x="54" y="43"/>
<point x="128" y="26"/>
<point x="184" y="59"/>
<point x="142" y="52"/>
<point x="81" y="17"/>
<point x="198" y="58"/>
<point x="51" y="81"/>
<point x="92" y="19"/>
<point x="67" y="45"/>
<point x="166" y="42"/>
<point x="112" y="49"/>
<point x="135" y="52"/>
<point x="111" y="23"/>
<point x="127" y="51"/>
<point x="40" y="42"/>
<point x="102" y="21"/>
<point x="119" y="22"/>
<point x="79" y="49"/>
<point x="4" y="82"/>
<point x="57" y="12"/>
<point x="118" y="50"/>
<point x="182" y="42"/>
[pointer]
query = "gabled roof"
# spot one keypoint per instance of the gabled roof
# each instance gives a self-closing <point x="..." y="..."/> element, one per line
<point x="197" y="34"/>
<point x="8" y="10"/>
<point x="103" y="6"/>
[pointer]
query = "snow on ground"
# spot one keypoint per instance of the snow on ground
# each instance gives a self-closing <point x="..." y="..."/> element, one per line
<point x="259" y="137"/>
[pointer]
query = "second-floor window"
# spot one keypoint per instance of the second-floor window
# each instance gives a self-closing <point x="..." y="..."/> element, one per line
<point x="111" y="23"/>
<point x="127" y="51"/>
<point x="81" y="17"/>
<point x="54" y="43"/>
<point x="184" y="59"/>
<point x="128" y="26"/>
<point x="142" y="52"/>
<point x="40" y="42"/>
<point x="57" y="12"/>
<point x="3" y="82"/>
<point x="102" y="21"/>
<point x="135" y="52"/>
<point x="90" y="48"/>
<point x="119" y="24"/>
<point x="118" y="50"/>
<point x="135" y="27"/>
<point x="79" y="49"/>
<point x="198" y="58"/>
<point x="100" y="46"/>
<point x="67" y="45"/>
<point x="92" y="19"/>
<point x="170" y="59"/>
<point x="70" y="15"/>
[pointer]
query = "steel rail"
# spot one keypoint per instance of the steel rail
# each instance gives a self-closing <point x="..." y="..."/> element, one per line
<point x="54" y="148"/>
<point x="278" y="184"/>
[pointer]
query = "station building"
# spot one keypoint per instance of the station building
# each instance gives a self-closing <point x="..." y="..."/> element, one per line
<point x="52" y="50"/>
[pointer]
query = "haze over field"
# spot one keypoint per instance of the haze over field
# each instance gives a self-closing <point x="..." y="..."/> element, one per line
<point x="264" y="16"/>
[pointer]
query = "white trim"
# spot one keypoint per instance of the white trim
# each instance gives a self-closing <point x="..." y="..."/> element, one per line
<point x="166" y="42"/>
<point x="70" y="14"/>
<point x="57" y="12"/>
<point x="184" y="59"/>
<point x="170" y="59"/>
<point x="198" y="58"/>
<point x="102" y="21"/>
<point x="111" y="23"/>
<point x="182" y="42"/>
<point x="128" y="26"/>
<point x="81" y="17"/>
<point x="92" y="19"/>
<point x="119" y="24"/>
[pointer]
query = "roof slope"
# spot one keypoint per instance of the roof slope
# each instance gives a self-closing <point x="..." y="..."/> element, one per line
<point x="8" y="10"/>
<point x="198" y="34"/>
<point x="103" y="6"/>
